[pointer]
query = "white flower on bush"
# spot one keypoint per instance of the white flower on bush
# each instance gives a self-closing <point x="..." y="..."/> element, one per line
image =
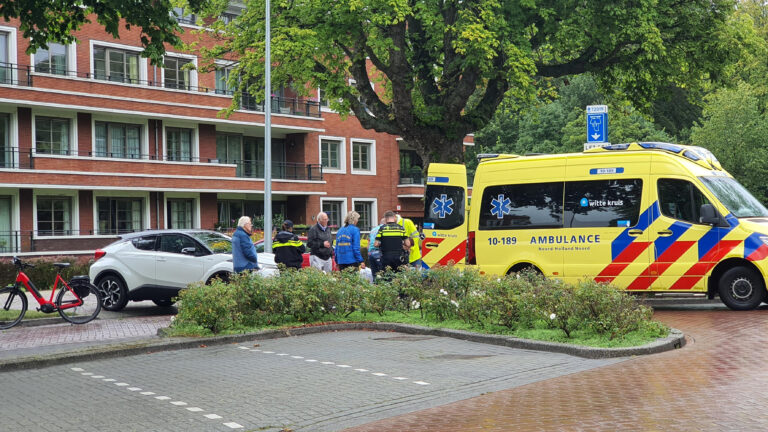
<point x="552" y="316"/>
<point x="498" y="279"/>
<point x="455" y="303"/>
<point x="415" y="304"/>
<point x="474" y="293"/>
<point x="443" y="292"/>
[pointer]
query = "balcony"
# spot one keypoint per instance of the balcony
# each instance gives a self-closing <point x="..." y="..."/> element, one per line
<point x="20" y="75"/>
<point x="280" y="170"/>
<point x="411" y="177"/>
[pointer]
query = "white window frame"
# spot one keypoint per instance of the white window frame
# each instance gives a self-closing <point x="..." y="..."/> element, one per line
<point x="192" y="73"/>
<point x="71" y="61"/>
<point x="73" y="195"/>
<point x="222" y="64"/>
<point x="142" y="61"/>
<point x="372" y="156"/>
<point x="195" y="144"/>
<point x="342" y="154"/>
<point x="72" y="116"/>
<point x="144" y="123"/>
<point x="195" y="197"/>
<point x="343" y="201"/>
<point x="12" y="54"/>
<point x="120" y="194"/>
<point x="15" y="213"/>
<point x="374" y="209"/>
<point x="13" y="132"/>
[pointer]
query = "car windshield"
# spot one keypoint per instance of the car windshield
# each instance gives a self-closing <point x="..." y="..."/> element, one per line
<point x="218" y="243"/>
<point x="734" y="197"/>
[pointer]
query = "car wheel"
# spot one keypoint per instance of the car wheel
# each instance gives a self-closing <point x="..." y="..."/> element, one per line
<point x="741" y="288"/>
<point x="114" y="295"/>
<point x="163" y="302"/>
<point x="224" y="276"/>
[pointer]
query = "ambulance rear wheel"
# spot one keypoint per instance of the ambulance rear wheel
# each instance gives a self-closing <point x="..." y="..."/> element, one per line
<point x="741" y="288"/>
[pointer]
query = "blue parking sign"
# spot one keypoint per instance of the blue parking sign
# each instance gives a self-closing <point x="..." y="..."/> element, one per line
<point x="597" y="124"/>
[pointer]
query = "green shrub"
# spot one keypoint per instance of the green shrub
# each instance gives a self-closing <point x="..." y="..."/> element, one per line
<point x="44" y="273"/>
<point x="608" y="310"/>
<point x="213" y="306"/>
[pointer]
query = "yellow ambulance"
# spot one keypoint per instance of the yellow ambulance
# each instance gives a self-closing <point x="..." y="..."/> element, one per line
<point x="647" y="217"/>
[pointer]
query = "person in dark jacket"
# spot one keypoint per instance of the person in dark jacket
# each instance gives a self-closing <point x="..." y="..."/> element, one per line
<point x="348" y="243"/>
<point x="287" y="247"/>
<point x="319" y="243"/>
<point x="393" y="242"/>
<point x="243" y="251"/>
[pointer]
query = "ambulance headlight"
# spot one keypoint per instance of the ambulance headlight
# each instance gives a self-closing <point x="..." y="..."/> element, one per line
<point x="764" y="239"/>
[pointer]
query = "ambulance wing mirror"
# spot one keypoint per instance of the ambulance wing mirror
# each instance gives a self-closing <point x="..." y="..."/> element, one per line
<point x="708" y="215"/>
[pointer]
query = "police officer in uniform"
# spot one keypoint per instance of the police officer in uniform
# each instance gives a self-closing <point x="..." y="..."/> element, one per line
<point x="393" y="242"/>
<point x="287" y="247"/>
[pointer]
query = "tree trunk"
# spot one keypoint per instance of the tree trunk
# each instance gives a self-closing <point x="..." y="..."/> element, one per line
<point x="434" y="148"/>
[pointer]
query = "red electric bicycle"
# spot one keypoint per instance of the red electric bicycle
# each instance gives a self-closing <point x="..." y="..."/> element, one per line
<point x="77" y="302"/>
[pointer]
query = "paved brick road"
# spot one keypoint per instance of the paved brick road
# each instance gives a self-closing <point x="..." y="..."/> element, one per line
<point x="717" y="382"/>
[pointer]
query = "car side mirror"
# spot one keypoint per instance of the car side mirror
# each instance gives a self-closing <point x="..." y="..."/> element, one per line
<point x="188" y="250"/>
<point x="708" y="215"/>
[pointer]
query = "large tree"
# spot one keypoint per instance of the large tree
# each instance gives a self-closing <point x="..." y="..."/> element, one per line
<point x="432" y="71"/>
<point x="44" y="21"/>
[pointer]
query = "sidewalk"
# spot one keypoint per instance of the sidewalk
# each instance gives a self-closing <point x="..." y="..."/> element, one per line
<point x="57" y="337"/>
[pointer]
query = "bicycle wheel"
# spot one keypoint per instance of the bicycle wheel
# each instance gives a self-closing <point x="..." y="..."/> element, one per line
<point x="13" y="306"/>
<point x="78" y="310"/>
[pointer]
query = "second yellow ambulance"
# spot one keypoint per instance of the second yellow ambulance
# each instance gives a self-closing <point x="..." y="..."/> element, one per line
<point x="647" y="217"/>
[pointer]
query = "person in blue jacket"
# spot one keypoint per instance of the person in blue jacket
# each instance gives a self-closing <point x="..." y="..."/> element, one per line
<point x="243" y="251"/>
<point x="348" y="243"/>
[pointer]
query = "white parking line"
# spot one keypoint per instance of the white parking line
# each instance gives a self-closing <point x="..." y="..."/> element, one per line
<point x="121" y="384"/>
<point x="97" y="376"/>
<point x="134" y="388"/>
<point x="179" y="403"/>
<point x="162" y="397"/>
<point x="212" y="416"/>
<point x="344" y="366"/>
<point x="194" y="409"/>
<point x="148" y="393"/>
<point x="77" y="369"/>
<point x="87" y="373"/>
<point x="233" y="425"/>
<point x="110" y="379"/>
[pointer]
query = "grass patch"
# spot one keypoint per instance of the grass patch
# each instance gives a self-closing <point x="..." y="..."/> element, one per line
<point x="642" y="336"/>
<point x="5" y="315"/>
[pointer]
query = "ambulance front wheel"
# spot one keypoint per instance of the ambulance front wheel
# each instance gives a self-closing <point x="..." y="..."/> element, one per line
<point x="741" y="288"/>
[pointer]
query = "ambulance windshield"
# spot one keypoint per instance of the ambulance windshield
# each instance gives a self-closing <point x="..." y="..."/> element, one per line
<point x="734" y="197"/>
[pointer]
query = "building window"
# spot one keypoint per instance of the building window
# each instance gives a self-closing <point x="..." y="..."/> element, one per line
<point x="115" y="65"/>
<point x="179" y="144"/>
<point x="330" y="153"/>
<point x="6" y="73"/>
<point x="52" y="60"/>
<point x="231" y="210"/>
<point x="229" y="148"/>
<point x="227" y="17"/>
<point x="363" y="156"/>
<point x="183" y="16"/>
<point x="8" y="237"/>
<point x="119" y="215"/>
<point x="335" y="213"/>
<point x="222" y="81"/>
<point x="180" y="213"/>
<point x="54" y="216"/>
<point x="176" y="77"/>
<point x="6" y="150"/>
<point x="118" y="140"/>
<point x="52" y="135"/>
<point x="323" y="97"/>
<point x="365" y="209"/>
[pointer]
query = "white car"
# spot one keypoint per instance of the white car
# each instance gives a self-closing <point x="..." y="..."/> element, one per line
<point x="156" y="265"/>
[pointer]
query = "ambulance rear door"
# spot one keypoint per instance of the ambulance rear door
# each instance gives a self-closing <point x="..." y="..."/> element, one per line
<point x="445" y="215"/>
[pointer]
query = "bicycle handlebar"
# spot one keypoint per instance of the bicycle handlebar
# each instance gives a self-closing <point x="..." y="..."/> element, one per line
<point x="20" y="264"/>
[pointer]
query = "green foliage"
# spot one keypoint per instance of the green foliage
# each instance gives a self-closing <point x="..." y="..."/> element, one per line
<point x="44" y="273"/>
<point x="44" y="21"/>
<point x="440" y="69"/>
<point x="211" y="306"/>
<point x="734" y="130"/>
<point x="520" y="302"/>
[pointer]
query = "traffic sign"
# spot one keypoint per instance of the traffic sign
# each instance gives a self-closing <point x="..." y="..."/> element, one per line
<point x="597" y="123"/>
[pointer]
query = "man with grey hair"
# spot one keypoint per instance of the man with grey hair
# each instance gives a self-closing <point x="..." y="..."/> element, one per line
<point x="319" y="242"/>
<point x="243" y="251"/>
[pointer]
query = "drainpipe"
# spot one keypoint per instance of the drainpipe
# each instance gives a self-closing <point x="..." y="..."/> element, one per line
<point x="157" y="194"/>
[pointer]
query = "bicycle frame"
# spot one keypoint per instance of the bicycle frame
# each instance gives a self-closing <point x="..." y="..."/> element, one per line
<point x="22" y="278"/>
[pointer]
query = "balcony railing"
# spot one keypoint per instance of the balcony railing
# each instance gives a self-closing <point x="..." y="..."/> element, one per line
<point x="280" y="170"/>
<point x="10" y="241"/>
<point x="13" y="74"/>
<point x="413" y="176"/>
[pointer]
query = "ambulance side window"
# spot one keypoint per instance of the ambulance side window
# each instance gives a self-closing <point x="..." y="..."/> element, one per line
<point x="522" y="206"/>
<point x="680" y="199"/>
<point x="603" y="203"/>
<point x="444" y="206"/>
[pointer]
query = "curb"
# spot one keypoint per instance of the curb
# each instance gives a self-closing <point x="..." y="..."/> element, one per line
<point x="676" y="339"/>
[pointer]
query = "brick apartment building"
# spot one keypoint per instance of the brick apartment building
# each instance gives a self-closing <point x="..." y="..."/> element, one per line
<point x="95" y="141"/>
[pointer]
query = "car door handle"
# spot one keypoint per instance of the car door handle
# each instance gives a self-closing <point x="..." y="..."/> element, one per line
<point x="665" y="233"/>
<point x="635" y="232"/>
<point x="162" y="259"/>
<point x="431" y="245"/>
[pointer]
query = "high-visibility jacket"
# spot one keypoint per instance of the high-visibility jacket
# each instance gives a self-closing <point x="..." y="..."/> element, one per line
<point x="288" y="249"/>
<point x="414" y="235"/>
<point x="391" y="237"/>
